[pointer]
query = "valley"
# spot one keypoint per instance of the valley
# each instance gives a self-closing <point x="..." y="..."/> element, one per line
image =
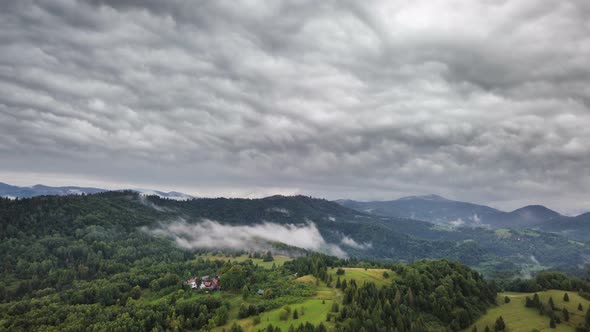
<point x="70" y="259"/>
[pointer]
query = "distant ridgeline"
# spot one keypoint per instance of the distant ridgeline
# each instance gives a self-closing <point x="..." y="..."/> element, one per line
<point x="87" y="263"/>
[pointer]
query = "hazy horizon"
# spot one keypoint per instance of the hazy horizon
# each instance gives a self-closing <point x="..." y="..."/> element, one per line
<point x="507" y="208"/>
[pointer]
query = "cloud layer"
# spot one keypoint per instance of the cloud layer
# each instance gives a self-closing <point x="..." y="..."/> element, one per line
<point x="487" y="101"/>
<point x="210" y="234"/>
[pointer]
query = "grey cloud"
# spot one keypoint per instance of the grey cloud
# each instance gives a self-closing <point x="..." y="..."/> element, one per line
<point x="209" y="234"/>
<point x="485" y="101"/>
<point x="348" y="241"/>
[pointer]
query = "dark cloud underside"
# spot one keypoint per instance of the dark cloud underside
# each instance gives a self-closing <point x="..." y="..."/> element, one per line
<point x="480" y="100"/>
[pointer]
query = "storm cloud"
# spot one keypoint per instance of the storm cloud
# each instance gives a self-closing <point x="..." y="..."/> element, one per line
<point x="486" y="101"/>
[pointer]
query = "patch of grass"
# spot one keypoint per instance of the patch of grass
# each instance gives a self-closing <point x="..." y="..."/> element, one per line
<point x="308" y="279"/>
<point x="315" y="311"/>
<point x="503" y="233"/>
<point x="314" y="308"/>
<point x="520" y="318"/>
<point x="530" y="233"/>
<point x="360" y="275"/>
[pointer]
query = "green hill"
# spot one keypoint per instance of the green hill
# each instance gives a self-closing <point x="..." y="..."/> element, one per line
<point x="520" y="318"/>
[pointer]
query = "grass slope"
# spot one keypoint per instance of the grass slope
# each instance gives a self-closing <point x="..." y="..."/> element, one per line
<point x="315" y="309"/>
<point x="520" y="318"/>
<point x="315" y="312"/>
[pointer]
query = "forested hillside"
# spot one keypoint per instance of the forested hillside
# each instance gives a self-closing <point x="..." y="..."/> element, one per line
<point x="499" y="252"/>
<point x="503" y="252"/>
<point x="82" y="264"/>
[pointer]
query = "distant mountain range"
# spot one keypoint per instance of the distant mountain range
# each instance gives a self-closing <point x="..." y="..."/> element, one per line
<point x="442" y="211"/>
<point x="315" y="224"/>
<point x="430" y="208"/>
<point x="10" y="191"/>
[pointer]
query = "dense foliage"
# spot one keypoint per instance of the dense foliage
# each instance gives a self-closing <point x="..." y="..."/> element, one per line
<point x="83" y="263"/>
<point x="427" y="295"/>
<point x="86" y="263"/>
<point x="549" y="280"/>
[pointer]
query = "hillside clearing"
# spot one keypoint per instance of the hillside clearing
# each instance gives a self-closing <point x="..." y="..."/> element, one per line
<point x="520" y="318"/>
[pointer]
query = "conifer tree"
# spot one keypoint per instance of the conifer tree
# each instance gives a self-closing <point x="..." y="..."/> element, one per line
<point x="552" y="323"/>
<point x="398" y="298"/>
<point x="245" y="292"/>
<point x="580" y="308"/>
<point x="566" y="314"/>
<point x="566" y="297"/>
<point x="500" y="325"/>
<point x="411" y="298"/>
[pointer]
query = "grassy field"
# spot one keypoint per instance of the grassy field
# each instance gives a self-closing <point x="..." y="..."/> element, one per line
<point x="278" y="259"/>
<point x="360" y="275"/>
<point x="503" y="233"/>
<point x="314" y="309"/>
<point x="520" y="318"/>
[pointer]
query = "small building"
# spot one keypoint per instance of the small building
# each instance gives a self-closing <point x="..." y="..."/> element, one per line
<point x="204" y="283"/>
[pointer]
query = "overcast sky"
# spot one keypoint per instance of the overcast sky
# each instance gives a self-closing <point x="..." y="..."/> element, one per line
<point x="484" y="101"/>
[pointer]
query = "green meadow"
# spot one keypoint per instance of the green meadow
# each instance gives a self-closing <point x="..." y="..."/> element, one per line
<point x="312" y="309"/>
<point x="520" y="318"/>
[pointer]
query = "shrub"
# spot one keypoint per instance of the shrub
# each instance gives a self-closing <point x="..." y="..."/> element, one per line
<point x="256" y="320"/>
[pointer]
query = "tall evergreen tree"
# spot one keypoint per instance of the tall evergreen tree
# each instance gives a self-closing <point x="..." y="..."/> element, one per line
<point x="552" y="323"/>
<point x="500" y="325"/>
<point x="566" y="314"/>
<point x="245" y="292"/>
<point x="566" y="297"/>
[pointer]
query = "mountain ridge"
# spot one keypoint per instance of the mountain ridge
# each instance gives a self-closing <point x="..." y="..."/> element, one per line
<point x="446" y="212"/>
<point x="12" y="191"/>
